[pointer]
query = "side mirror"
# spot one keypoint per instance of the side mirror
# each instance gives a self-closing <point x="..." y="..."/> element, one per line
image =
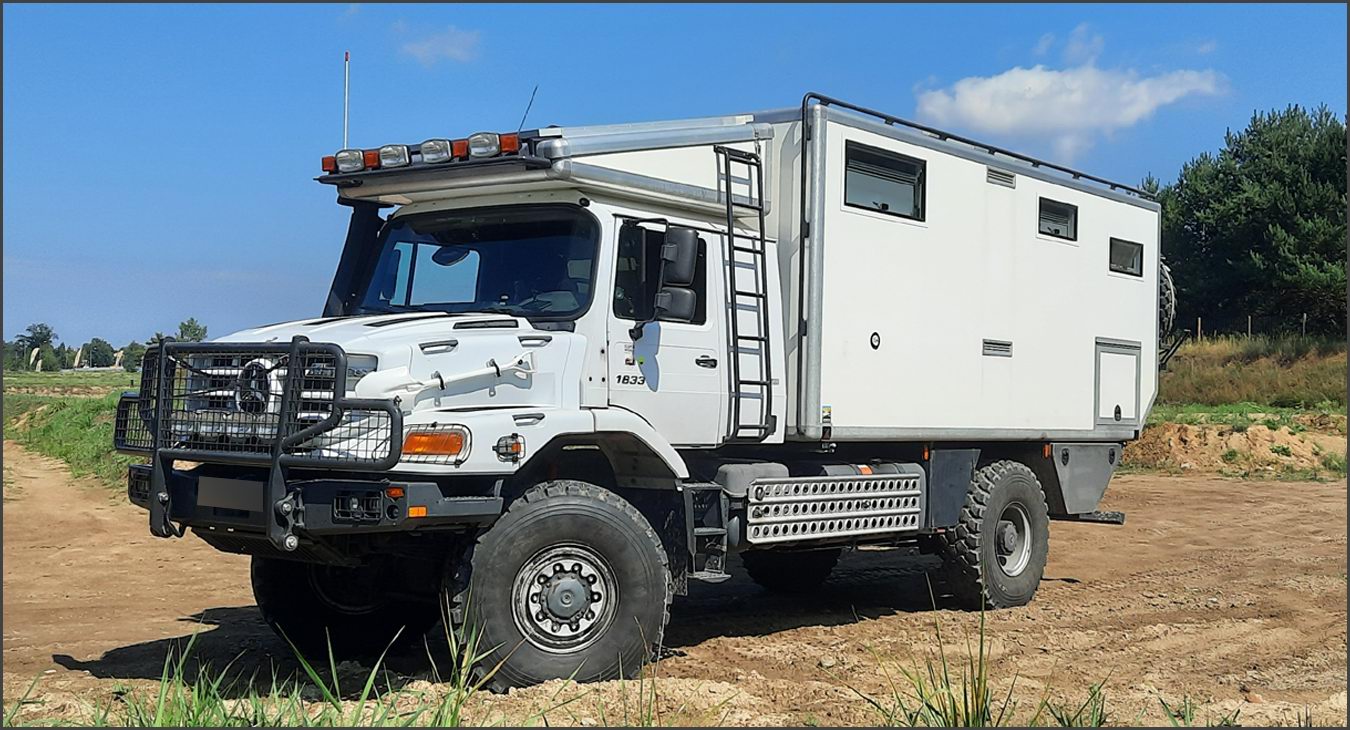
<point x="679" y="257"/>
<point x="675" y="304"/>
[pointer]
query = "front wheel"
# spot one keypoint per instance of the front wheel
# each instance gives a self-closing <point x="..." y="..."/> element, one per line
<point x="571" y="582"/>
<point x="995" y="556"/>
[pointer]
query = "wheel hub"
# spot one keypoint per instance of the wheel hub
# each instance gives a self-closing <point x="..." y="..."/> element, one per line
<point x="564" y="598"/>
<point x="1012" y="540"/>
<point x="1007" y="536"/>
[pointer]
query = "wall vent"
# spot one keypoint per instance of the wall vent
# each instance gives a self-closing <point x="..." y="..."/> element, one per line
<point x="1000" y="177"/>
<point x="997" y="348"/>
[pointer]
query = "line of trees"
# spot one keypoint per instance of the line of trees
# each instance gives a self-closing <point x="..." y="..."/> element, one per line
<point x="38" y="347"/>
<point x="1259" y="229"/>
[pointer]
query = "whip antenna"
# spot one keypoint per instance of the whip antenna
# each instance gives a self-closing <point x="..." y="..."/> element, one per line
<point x="526" y="115"/>
<point x="346" y="86"/>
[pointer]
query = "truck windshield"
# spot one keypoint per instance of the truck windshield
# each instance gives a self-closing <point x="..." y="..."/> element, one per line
<point x="531" y="261"/>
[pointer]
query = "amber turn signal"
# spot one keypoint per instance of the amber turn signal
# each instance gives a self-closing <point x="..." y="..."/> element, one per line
<point x="448" y="442"/>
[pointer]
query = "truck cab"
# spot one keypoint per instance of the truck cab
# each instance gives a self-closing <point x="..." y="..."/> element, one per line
<point x="561" y="373"/>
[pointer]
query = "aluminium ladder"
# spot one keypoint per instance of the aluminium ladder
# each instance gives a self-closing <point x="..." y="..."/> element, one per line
<point x="750" y="375"/>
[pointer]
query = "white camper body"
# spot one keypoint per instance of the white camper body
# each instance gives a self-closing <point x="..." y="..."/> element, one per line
<point x="966" y="323"/>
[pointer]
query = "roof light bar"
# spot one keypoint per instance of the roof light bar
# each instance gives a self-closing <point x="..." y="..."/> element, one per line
<point x="432" y="152"/>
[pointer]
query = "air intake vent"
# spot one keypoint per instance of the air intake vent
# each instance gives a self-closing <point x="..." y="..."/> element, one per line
<point x="997" y="348"/>
<point x="1000" y="177"/>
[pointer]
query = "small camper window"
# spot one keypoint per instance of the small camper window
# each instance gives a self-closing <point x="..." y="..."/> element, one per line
<point x="1127" y="257"/>
<point x="1059" y="219"/>
<point x="883" y="181"/>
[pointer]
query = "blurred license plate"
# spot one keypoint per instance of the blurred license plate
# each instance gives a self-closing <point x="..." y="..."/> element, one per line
<point x="230" y="494"/>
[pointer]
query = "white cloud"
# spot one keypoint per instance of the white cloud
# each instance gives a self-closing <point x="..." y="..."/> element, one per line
<point x="1084" y="46"/>
<point x="1043" y="45"/>
<point x="1207" y="47"/>
<point x="352" y="9"/>
<point x="1066" y="108"/>
<point x="451" y="44"/>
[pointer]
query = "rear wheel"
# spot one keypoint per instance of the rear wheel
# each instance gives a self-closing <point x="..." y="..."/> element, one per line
<point x="995" y="556"/>
<point x="790" y="571"/>
<point x="351" y="610"/>
<point x="571" y="582"/>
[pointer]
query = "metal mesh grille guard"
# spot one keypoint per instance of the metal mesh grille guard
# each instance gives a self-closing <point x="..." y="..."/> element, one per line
<point x="270" y="403"/>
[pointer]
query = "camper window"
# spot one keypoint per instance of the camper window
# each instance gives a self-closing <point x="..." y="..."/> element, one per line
<point x="637" y="274"/>
<point x="883" y="181"/>
<point x="1127" y="257"/>
<point x="1059" y="219"/>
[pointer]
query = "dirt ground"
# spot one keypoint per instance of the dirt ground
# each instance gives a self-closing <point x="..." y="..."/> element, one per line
<point x="1231" y="593"/>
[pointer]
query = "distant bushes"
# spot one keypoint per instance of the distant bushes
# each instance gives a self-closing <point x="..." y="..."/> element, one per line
<point x="1287" y="372"/>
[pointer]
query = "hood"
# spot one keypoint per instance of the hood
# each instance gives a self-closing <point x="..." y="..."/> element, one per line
<point x="446" y="361"/>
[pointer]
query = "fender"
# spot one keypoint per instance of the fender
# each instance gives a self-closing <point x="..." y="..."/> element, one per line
<point x="622" y="420"/>
<point x="539" y="426"/>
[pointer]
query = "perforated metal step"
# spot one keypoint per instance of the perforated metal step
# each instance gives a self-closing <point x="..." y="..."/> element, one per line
<point x="812" y="508"/>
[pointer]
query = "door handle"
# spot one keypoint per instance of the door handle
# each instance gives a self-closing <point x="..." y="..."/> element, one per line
<point x="704" y="361"/>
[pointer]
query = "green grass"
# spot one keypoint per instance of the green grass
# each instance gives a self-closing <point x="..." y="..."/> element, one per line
<point x="1334" y="463"/>
<point x="75" y="430"/>
<point x="1241" y="416"/>
<point x="1291" y="372"/>
<point x="25" y="381"/>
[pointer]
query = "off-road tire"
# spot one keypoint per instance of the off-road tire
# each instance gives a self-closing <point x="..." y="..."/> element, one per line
<point x="969" y="550"/>
<point x="1167" y="300"/>
<point x="790" y="571"/>
<point x="291" y="596"/>
<point x="479" y="590"/>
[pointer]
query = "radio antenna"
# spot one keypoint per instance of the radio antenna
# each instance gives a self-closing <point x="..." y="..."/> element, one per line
<point x="346" y="88"/>
<point x="526" y="115"/>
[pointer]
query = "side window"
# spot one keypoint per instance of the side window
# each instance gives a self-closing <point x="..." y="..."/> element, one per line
<point x="1059" y="219"/>
<point x="1127" y="257"/>
<point x="638" y="269"/>
<point x="884" y="181"/>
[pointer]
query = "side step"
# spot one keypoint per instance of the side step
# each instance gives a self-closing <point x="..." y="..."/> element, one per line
<point x="796" y="509"/>
<point x="1103" y="518"/>
<point x="705" y="520"/>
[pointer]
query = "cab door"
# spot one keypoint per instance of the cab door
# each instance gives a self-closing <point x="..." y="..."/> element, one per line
<point x="675" y="374"/>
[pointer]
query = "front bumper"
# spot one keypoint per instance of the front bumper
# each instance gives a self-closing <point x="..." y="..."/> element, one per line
<point x="269" y="407"/>
<point x="321" y="507"/>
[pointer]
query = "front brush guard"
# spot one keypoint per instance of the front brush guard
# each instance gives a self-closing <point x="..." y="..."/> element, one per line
<point x="287" y="508"/>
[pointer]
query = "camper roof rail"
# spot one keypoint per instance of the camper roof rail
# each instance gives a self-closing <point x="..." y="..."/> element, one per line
<point x="942" y="135"/>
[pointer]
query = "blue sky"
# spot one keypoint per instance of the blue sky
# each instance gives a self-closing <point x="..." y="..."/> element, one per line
<point x="157" y="159"/>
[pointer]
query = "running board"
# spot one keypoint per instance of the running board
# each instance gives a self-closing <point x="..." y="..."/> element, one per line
<point x="804" y="509"/>
<point x="1103" y="518"/>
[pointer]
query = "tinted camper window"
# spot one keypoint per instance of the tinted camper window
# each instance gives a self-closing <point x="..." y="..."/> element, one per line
<point x="883" y="181"/>
<point x="1059" y="219"/>
<point x="1127" y="257"/>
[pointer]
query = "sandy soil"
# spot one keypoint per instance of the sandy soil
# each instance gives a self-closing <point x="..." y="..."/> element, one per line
<point x="1228" y="592"/>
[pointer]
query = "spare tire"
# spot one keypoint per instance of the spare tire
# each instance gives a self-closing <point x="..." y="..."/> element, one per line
<point x="1167" y="300"/>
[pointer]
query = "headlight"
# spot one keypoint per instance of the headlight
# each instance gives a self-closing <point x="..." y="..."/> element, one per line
<point x="484" y="144"/>
<point x="359" y="366"/>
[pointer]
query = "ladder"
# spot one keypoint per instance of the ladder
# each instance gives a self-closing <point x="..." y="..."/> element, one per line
<point x="705" y="520"/>
<point x="749" y="377"/>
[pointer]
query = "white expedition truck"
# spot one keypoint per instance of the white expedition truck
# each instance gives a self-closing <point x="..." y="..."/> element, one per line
<point x="562" y="372"/>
